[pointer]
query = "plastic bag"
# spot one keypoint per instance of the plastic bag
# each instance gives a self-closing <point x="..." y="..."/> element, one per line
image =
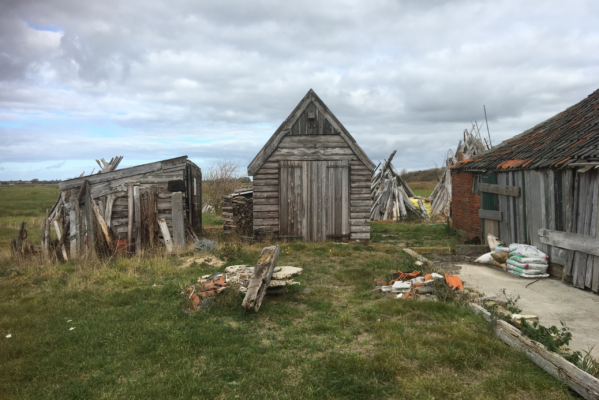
<point x="493" y="241"/>
<point x="525" y="275"/>
<point x="484" y="259"/>
<point x="501" y="249"/>
<point x="525" y="250"/>
<point x="528" y="260"/>
<point x="531" y="269"/>
<point x="500" y="257"/>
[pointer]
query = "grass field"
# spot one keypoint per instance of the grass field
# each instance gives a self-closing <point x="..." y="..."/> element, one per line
<point x="24" y="203"/>
<point x="133" y="336"/>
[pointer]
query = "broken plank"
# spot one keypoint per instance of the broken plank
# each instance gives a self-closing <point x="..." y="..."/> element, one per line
<point x="261" y="278"/>
<point x="166" y="235"/>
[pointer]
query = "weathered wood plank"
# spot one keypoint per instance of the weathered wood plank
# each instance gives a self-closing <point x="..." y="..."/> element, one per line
<point x="361" y="203"/>
<point x="166" y="235"/>
<point x="265" y="182"/>
<point x="359" y="215"/>
<point x="490" y="214"/>
<point x="271" y="189"/>
<point x="138" y="217"/>
<point x="269" y="207"/>
<point x="266" y="194"/>
<point x="269" y="201"/>
<point x="554" y="364"/>
<point x="131" y="218"/>
<point x="111" y="176"/>
<point x="266" y="222"/>
<point x="361" y="184"/>
<point x="571" y="241"/>
<point x="178" y="221"/>
<point x="61" y="240"/>
<point x="261" y="278"/>
<point x="359" y="222"/>
<point x="499" y="189"/>
<point x="261" y="215"/>
<point x="357" y="228"/>
<point x="101" y="222"/>
<point x="359" y="236"/>
<point x="311" y="157"/>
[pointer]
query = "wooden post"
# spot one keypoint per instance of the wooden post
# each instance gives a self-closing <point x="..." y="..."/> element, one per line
<point x="46" y="236"/>
<point x="137" y="201"/>
<point x="152" y="217"/>
<point x="108" y="211"/>
<point x="73" y="233"/>
<point x="91" y="232"/>
<point x="61" y="239"/>
<point x="102" y="223"/>
<point x="261" y="278"/>
<point x="166" y="235"/>
<point x="178" y="222"/>
<point x="131" y="216"/>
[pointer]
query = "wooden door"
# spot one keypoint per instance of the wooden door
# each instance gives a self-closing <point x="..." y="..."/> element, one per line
<point x="291" y="204"/>
<point x="194" y="198"/>
<point x="337" y="200"/>
<point x="314" y="200"/>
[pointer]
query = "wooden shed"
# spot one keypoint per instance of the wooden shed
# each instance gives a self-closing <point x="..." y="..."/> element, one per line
<point x="540" y="187"/>
<point x="145" y="206"/>
<point x="311" y="179"/>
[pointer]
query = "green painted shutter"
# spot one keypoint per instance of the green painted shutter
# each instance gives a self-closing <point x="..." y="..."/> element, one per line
<point x="490" y="199"/>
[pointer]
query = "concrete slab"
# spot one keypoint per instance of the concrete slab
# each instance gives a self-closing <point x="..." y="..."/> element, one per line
<point x="550" y="299"/>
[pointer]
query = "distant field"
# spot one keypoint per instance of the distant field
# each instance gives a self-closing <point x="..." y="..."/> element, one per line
<point x="24" y="203"/>
<point x="422" y="188"/>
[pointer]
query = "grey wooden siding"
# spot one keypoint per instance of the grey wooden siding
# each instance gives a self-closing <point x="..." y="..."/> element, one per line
<point x="562" y="200"/>
<point x="310" y="155"/>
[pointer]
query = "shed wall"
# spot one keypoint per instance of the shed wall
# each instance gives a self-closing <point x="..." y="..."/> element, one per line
<point x="465" y="204"/>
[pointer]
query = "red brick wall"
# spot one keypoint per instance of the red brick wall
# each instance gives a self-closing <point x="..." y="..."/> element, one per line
<point x="465" y="204"/>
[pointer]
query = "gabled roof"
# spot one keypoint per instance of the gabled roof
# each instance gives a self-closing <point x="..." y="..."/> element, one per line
<point x="568" y="139"/>
<point x="285" y="128"/>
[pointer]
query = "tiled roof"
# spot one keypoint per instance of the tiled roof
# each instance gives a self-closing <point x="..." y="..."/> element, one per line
<point x="571" y="136"/>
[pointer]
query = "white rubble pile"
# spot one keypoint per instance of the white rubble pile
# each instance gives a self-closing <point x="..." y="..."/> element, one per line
<point x="281" y="277"/>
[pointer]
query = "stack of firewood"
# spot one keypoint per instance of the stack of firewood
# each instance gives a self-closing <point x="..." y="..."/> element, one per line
<point x="238" y="212"/>
<point x="472" y="146"/>
<point x="391" y="196"/>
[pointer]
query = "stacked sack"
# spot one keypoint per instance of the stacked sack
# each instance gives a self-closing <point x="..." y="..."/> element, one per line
<point x="527" y="261"/>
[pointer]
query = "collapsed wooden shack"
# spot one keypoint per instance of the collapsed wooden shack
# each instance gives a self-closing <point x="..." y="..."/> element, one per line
<point x="391" y="196"/>
<point x="472" y="146"/>
<point x="130" y="209"/>
<point x="238" y="211"/>
<point x="541" y="188"/>
<point x="312" y="179"/>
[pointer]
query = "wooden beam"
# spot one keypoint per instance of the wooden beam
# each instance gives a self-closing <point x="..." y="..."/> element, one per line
<point x="121" y="173"/>
<point x="499" y="189"/>
<point x="130" y="216"/>
<point x="61" y="239"/>
<point x="137" y="202"/>
<point x="570" y="241"/>
<point x="178" y="222"/>
<point x="89" y="219"/>
<point x="101" y="222"/>
<point x="555" y="365"/>
<point x="261" y="278"/>
<point x="108" y="210"/>
<point x="490" y="214"/>
<point x="166" y="235"/>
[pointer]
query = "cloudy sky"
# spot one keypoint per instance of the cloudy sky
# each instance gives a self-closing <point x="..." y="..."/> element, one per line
<point x="151" y="79"/>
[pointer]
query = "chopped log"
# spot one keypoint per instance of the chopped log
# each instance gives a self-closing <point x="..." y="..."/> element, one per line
<point x="261" y="278"/>
<point x="581" y="382"/>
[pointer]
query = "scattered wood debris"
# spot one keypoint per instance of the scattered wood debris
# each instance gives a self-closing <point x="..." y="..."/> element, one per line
<point x="472" y="146"/>
<point x="391" y="196"/>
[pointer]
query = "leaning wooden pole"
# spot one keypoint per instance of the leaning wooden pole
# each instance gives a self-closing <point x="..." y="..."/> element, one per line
<point x="581" y="382"/>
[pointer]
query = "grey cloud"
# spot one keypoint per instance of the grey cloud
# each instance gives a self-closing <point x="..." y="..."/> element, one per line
<point x="214" y="79"/>
<point x="57" y="165"/>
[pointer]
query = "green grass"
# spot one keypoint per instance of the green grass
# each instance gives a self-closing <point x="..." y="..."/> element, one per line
<point x="134" y="336"/>
<point x="423" y="193"/>
<point x="24" y="203"/>
<point x="211" y="219"/>
<point x="413" y="234"/>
